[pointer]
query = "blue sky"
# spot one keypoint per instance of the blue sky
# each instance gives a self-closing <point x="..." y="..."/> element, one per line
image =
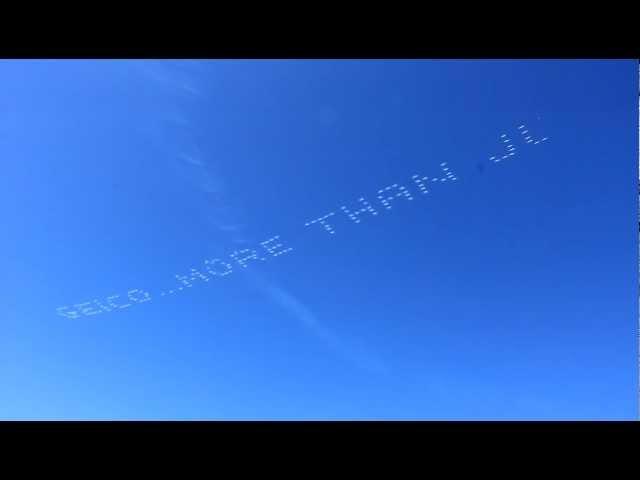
<point x="508" y="293"/>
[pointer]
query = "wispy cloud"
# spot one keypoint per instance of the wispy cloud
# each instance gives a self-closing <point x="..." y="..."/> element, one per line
<point x="191" y="160"/>
<point x="231" y="228"/>
<point x="191" y="89"/>
<point x="193" y="165"/>
<point x="309" y="320"/>
<point x="174" y="75"/>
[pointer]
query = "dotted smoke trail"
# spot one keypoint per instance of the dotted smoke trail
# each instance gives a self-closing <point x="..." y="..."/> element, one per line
<point x="528" y="137"/>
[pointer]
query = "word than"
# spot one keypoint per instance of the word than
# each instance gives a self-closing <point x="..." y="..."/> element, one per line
<point x="385" y="197"/>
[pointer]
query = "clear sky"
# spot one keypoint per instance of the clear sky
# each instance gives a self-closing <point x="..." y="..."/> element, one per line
<point x="506" y="291"/>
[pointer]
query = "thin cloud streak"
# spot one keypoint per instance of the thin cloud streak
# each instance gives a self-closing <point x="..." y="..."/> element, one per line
<point x="307" y="318"/>
<point x="190" y="163"/>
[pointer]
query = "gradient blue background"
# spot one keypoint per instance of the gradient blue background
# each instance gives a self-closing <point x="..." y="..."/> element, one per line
<point x="509" y="294"/>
